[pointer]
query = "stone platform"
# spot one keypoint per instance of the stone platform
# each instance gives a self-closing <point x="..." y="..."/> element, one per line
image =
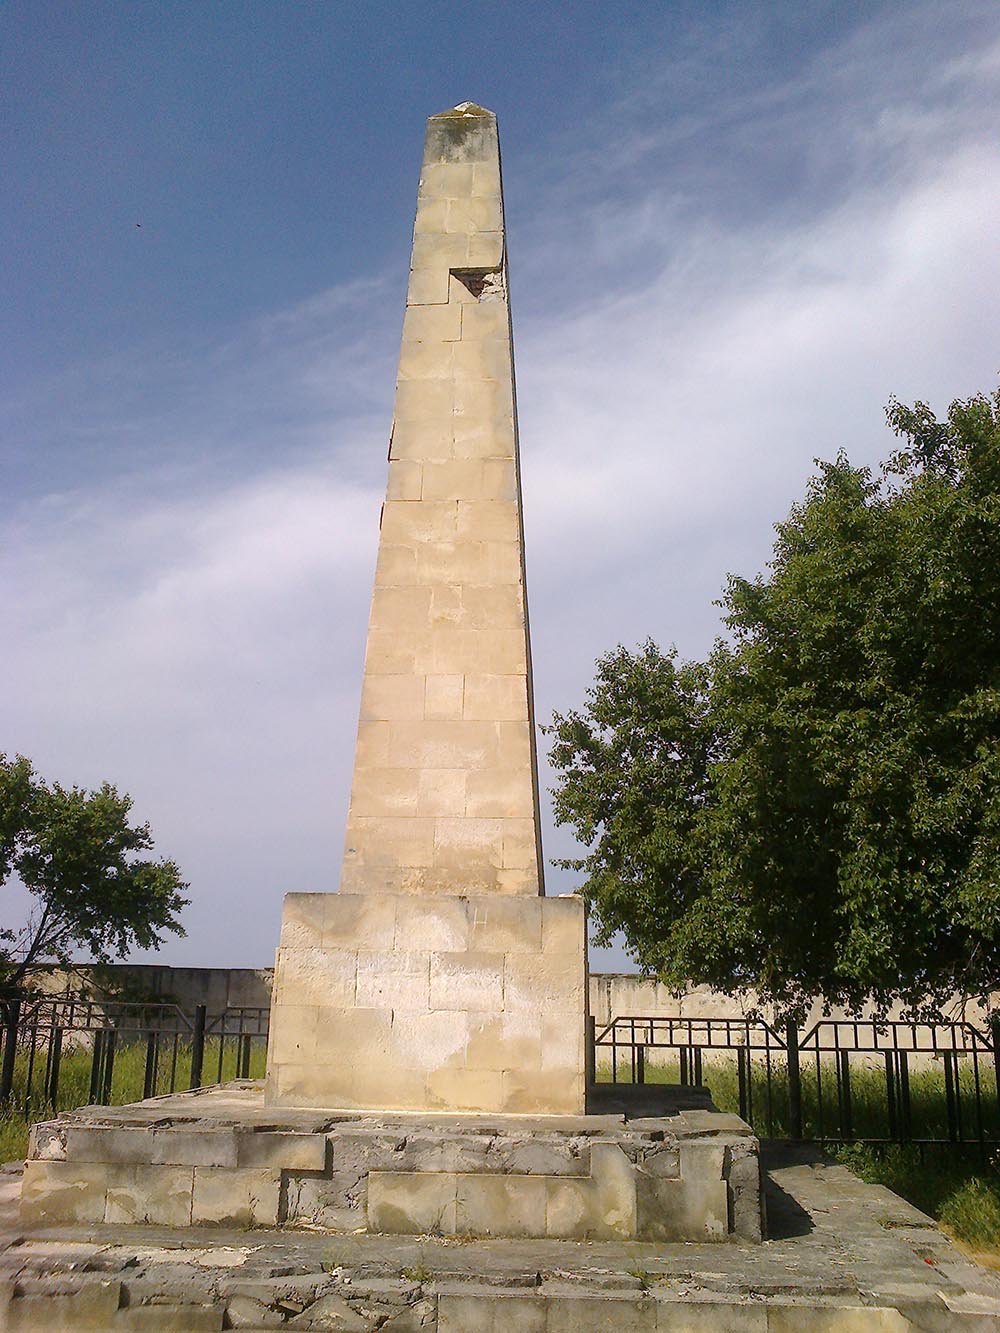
<point x="844" y="1257"/>
<point x="221" y="1156"/>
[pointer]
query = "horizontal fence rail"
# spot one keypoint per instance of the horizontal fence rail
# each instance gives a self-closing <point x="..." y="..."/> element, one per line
<point x="64" y="1051"/>
<point x="839" y="1081"/>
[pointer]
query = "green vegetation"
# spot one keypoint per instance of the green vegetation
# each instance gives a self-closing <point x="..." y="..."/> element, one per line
<point x="126" y="1085"/>
<point x="956" y="1191"/>
<point x="79" y="857"/>
<point x="815" y="809"/>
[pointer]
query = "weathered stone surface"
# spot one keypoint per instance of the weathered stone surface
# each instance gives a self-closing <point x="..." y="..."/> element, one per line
<point x="154" y="1194"/>
<point x="247" y="1312"/>
<point x="235" y="1198"/>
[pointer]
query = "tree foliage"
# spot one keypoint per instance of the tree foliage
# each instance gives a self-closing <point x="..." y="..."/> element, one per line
<point x="816" y="808"/>
<point x="77" y="854"/>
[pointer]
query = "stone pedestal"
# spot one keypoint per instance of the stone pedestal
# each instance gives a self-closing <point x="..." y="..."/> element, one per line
<point x="434" y="1003"/>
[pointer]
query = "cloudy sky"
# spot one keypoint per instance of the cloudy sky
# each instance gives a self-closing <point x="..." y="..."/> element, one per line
<point x="735" y="230"/>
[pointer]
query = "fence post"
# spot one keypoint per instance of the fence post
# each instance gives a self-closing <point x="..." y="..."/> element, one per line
<point x="152" y="1059"/>
<point x="55" y="1060"/>
<point x="844" y="1088"/>
<point x="640" y="1064"/>
<point x="11" y="1019"/>
<point x="96" y="1067"/>
<point x="198" y="1045"/>
<point x="794" y="1081"/>
<point x="590" y="1053"/>
<point x="107" y="1074"/>
<point x="995" y="1038"/>
<point x="743" y="1068"/>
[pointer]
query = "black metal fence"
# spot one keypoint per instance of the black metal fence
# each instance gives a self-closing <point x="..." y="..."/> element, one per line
<point x="839" y="1081"/>
<point x="65" y="1051"/>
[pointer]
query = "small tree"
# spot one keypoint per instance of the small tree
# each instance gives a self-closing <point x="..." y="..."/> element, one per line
<point x="816" y="809"/>
<point x="78" y="855"/>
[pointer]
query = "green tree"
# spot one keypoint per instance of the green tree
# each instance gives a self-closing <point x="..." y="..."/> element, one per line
<point x="80" y="858"/>
<point x="816" y="808"/>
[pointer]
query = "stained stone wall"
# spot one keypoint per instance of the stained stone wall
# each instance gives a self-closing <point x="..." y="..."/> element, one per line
<point x="444" y="1003"/>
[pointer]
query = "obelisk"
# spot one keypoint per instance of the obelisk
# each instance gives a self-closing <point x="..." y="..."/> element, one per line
<point x="440" y="976"/>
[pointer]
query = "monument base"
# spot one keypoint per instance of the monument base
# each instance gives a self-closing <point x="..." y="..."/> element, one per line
<point x="221" y="1156"/>
<point x="430" y="1002"/>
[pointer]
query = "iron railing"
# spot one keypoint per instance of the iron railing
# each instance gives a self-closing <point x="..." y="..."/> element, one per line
<point x="839" y="1081"/>
<point x="64" y="1050"/>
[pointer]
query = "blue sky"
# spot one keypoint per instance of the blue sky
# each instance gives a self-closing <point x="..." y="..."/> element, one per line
<point x="735" y="230"/>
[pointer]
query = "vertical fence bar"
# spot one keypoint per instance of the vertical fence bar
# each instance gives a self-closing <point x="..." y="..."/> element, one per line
<point x="640" y="1064"/>
<point x="55" y="1062"/>
<point x="152" y="1059"/>
<point x="794" y="1081"/>
<point x="198" y="1045"/>
<point x="995" y="1040"/>
<point x="890" y="1096"/>
<point x="698" y="1077"/>
<point x="12" y="1015"/>
<point x="245" y="1040"/>
<point x="110" y="1038"/>
<point x="743" y="1073"/>
<point x="591" y="1053"/>
<point x="96" y="1065"/>
<point x="844" y="1089"/>
<point x="949" y="1095"/>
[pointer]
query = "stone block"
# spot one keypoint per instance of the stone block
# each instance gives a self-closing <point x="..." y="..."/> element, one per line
<point x="424" y="400"/>
<point x="503" y="1042"/>
<point x="346" y="1036"/>
<point x="359" y="921"/>
<point x="442" y="744"/>
<point x="500" y="793"/>
<point x="395" y="609"/>
<point x="422" y="440"/>
<point x="434" y="324"/>
<point x="118" y="1145"/>
<point x="674" y="1210"/>
<point x="427" y="286"/>
<point x="481" y="1313"/>
<point x="331" y="1311"/>
<point x="393" y="979"/>
<point x="248" y="1312"/>
<point x="440" y="250"/>
<point x="500" y="1205"/>
<point x="481" y="359"/>
<point x="496" y="698"/>
<point x="485" y="249"/>
<point x="442" y="791"/>
<point x="292" y="1034"/>
<point x="191" y="1147"/>
<point x="530" y="1092"/>
<point x="405" y="479"/>
<point x="486" y="178"/>
<point x="402" y="1203"/>
<point x="429" y="1041"/>
<point x="465" y="1090"/>
<point x="446" y="179"/>
<point x="564" y="926"/>
<point x="156" y="1318"/>
<point x="280" y="1151"/>
<point x="313" y="976"/>
<point x="711" y="1317"/>
<point x="506" y="926"/>
<point x="459" y="843"/>
<point x="385" y="698"/>
<point x="303" y="917"/>
<point x="160" y="1195"/>
<point x="474" y="213"/>
<point x="484" y="479"/>
<point x="444" y="696"/>
<point x="235" y="1198"/>
<point x="54" y="1193"/>
<point x="392" y="840"/>
<point x="385" y="791"/>
<point x="743" y="1178"/>
<point x="432" y="214"/>
<point x="484" y="400"/>
<point x="95" y="1305"/>
<point x="600" y="1313"/>
<point x="491" y="520"/>
<point x="468" y="980"/>
<point x="433" y="924"/>
<point x="520" y="845"/>
<point x="485" y="319"/>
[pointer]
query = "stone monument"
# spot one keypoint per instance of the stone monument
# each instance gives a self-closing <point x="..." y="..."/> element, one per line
<point x="440" y="977"/>
<point x="427" y="1053"/>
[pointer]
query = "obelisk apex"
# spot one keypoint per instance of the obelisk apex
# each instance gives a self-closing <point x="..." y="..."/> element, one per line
<point x="445" y="790"/>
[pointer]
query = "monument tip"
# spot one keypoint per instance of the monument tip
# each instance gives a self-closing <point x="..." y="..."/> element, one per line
<point x="465" y="109"/>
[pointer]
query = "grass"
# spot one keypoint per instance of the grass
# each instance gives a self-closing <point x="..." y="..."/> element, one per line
<point x="128" y="1079"/>
<point x="949" y="1182"/>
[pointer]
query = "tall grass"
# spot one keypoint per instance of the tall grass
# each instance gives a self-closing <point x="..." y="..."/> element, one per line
<point x="128" y="1078"/>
